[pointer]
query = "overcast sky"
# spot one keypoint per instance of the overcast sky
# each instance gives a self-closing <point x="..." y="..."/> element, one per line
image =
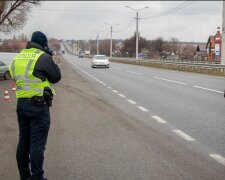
<point x="78" y="19"/>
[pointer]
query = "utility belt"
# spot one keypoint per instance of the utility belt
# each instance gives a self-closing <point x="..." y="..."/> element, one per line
<point x="38" y="100"/>
<point x="41" y="100"/>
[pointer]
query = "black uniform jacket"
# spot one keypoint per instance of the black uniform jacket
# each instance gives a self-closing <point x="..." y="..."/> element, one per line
<point x="45" y="67"/>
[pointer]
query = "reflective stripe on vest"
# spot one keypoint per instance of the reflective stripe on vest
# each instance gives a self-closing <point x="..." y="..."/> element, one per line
<point x="21" y="70"/>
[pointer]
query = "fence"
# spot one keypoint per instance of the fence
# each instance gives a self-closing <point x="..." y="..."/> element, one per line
<point x="200" y="67"/>
<point x="182" y="65"/>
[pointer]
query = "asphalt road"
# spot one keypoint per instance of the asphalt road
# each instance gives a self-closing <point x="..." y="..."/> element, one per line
<point x="97" y="134"/>
<point x="191" y="103"/>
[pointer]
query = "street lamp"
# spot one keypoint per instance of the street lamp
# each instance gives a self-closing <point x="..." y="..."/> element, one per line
<point x="137" y="10"/>
<point x="222" y="61"/>
<point x="97" y="40"/>
<point x="89" y="45"/>
<point x="111" y="37"/>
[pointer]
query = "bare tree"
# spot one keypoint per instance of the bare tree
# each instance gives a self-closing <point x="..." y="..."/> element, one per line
<point x="104" y="46"/>
<point x="130" y="47"/>
<point x="13" y="14"/>
<point x="54" y="44"/>
<point x="2" y="5"/>
<point x="156" y="47"/>
<point x="188" y="52"/>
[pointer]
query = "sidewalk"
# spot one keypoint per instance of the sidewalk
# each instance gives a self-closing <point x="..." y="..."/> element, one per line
<point x="8" y="133"/>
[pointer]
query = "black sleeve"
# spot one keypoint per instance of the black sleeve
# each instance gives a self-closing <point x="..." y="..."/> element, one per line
<point x="45" y="67"/>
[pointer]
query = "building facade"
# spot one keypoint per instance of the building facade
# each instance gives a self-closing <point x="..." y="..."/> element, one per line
<point x="213" y="47"/>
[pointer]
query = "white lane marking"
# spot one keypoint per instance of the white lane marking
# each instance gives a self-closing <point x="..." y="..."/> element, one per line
<point x="100" y="82"/>
<point x="135" y="73"/>
<point x="131" y="101"/>
<point x="160" y="120"/>
<point x="122" y="95"/>
<point x="84" y="71"/>
<point x="109" y="87"/>
<point x="104" y="84"/>
<point x="210" y="76"/>
<point x="183" y="135"/>
<point x="220" y="159"/>
<point x="115" y="91"/>
<point x="199" y="87"/>
<point x="177" y="82"/>
<point x="142" y="108"/>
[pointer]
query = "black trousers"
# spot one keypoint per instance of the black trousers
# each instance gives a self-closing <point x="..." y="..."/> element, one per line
<point x="34" y="123"/>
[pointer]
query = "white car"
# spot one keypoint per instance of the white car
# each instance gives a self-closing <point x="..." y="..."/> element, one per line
<point x="100" y="61"/>
<point x="4" y="71"/>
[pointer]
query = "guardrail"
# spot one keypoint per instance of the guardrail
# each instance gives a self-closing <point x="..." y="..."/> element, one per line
<point x="181" y="65"/>
<point x="206" y="68"/>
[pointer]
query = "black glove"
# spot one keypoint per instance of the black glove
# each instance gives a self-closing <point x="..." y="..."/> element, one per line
<point x="48" y="51"/>
<point x="48" y="97"/>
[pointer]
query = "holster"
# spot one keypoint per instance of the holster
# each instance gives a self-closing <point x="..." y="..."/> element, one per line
<point x="48" y="98"/>
<point x="38" y="100"/>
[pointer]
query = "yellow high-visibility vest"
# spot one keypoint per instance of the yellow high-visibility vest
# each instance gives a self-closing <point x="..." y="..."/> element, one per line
<point x="21" y="70"/>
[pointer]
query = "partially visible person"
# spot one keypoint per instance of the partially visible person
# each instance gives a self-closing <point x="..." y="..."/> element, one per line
<point x="34" y="72"/>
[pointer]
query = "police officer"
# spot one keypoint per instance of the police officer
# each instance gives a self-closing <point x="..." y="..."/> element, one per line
<point x="34" y="72"/>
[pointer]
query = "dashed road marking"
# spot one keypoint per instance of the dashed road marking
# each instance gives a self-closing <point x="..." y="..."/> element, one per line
<point x="100" y="82"/>
<point x="216" y="77"/>
<point x="183" y="135"/>
<point x="122" y="95"/>
<point x="142" y="108"/>
<point x="177" y="82"/>
<point x="212" y="90"/>
<point x="131" y="101"/>
<point x="84" y="71"/>
<point x="115" y="91"/>
<point x="109" y="87"/>
<point x="104" y="84"/>
<point x="160" y="120"/>
<point x="220" y="159"/>
<point x="135" y="73"/>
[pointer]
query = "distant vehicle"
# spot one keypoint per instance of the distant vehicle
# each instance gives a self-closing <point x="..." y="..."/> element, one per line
<point x="100" y="61"/>
<point x="143" y="56"/>
<point x="81" y="55"/>
<point x="63" y="51"/>
<point x="87" y="52"/>
<point x="4" y="71"/>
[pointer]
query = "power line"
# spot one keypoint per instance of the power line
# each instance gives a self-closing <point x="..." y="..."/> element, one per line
<point x="81" y="11"/>
<point x="116" y="11"/>
<point x="183" y="5"/>
<point x="128" y="25"/>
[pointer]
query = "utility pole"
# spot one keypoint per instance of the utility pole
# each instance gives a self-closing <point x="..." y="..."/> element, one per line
<point x="89" y="43"/>
<point x="111" y="31"/>
<point x="97" y="44"/>
<point x="223" y="37"/>
<point x="111" y="43"/>
<point x="137" y="33"/>
<point x="97" y="40"/>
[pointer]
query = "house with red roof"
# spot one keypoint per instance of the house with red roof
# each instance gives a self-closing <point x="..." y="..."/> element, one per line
<point x="213" y="46"/>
